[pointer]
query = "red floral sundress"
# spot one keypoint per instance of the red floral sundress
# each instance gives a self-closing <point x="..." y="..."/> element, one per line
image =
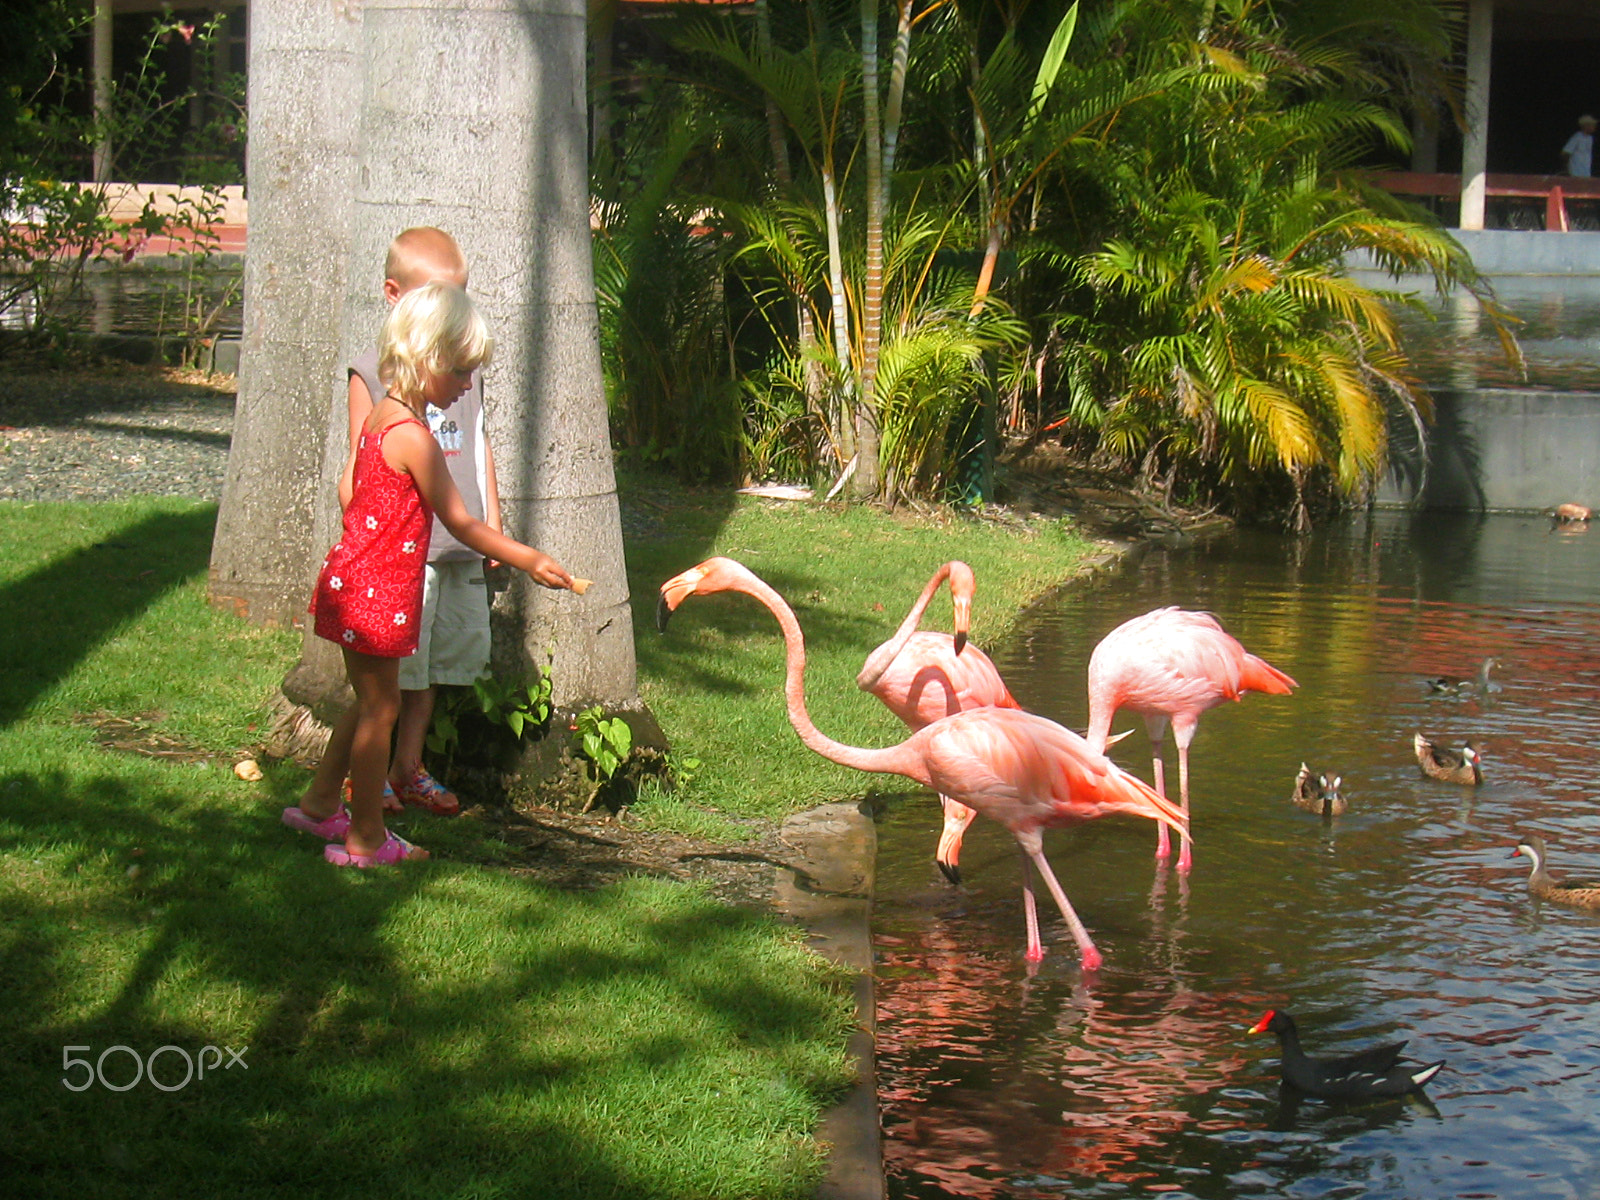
<point x="369" y="594"/>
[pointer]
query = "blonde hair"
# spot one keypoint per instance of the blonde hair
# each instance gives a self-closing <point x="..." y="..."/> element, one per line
<point x="434" y="329"/>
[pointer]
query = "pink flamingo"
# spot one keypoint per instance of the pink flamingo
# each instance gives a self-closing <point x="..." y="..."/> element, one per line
<point x="1171" y="664"/>
<point x="922" y="676"/>
<point x="1024" y="771"/>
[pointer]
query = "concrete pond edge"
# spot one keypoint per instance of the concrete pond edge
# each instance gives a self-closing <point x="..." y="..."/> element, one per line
<point x="828" y="893"/>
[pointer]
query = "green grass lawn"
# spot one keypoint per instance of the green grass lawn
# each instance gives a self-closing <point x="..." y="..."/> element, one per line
<point x="447" y="1029"/>
<point x="444" y="1030"/>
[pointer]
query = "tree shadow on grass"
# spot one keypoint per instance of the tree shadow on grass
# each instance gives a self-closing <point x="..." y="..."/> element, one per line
<point x="59" y="613"/>
<point x="431" y="1030"/>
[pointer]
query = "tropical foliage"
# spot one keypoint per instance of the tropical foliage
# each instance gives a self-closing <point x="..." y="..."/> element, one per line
<point x="59" y="157"/>
<point x="853" y="232"/>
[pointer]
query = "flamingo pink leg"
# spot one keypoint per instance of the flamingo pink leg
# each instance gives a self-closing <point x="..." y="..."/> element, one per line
<point x="1033" y="852"/>
<point x="1157" y="727"/>
<point x="1030" y="911"/>
<point x="1186" y="855"/>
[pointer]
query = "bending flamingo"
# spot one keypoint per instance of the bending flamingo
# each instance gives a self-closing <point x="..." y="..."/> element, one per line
<point x="1172" y="665"/>
<point x="923" y="676"/>
<point x="1024" y="771"/>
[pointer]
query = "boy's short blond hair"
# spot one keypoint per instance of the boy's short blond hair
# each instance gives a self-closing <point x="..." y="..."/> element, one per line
<point x="434" y="329"/>
<point x="421" y="255"/>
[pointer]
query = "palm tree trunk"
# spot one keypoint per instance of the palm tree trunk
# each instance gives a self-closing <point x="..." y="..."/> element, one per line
<point x="897" y="91"/>
<point x="991" y="256"/>
<point x="305" y="86"/>
<point x="775" y="135"/>
<point x="867" y="480"/>
<point x="523" y="227"/>
<point x="846" y="434"/>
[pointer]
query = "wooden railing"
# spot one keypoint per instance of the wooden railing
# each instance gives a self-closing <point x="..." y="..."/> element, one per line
<point x="1555" y="190"/>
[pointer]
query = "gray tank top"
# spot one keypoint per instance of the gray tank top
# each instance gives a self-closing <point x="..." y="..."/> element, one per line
<point x="459" y="432"/>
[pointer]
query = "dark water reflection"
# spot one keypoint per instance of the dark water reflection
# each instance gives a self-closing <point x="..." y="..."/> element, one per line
<point x="1404" y="918"/>
<point x="145" y="302"/>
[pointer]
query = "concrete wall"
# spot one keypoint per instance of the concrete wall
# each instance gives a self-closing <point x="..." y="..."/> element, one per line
<point x="1501" y="252"/>
<point x="1498" y="252"/>
<point x="1502" y="449"/>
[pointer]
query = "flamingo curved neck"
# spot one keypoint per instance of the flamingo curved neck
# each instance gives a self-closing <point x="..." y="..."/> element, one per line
<point x="880" y="659"/>
<point x="888" y="761"/>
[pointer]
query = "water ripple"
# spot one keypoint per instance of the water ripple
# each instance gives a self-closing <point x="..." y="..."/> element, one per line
<point x="1406" y="918"/>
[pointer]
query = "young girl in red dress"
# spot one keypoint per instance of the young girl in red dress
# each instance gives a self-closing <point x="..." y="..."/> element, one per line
<point x="369" y="594"/>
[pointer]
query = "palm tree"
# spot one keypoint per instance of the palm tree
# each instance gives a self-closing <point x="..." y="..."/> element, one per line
<point x="1222" y="328"/>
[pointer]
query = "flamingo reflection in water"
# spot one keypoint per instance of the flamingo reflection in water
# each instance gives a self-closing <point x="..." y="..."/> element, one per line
<point x="1101" y="1088"/>
<point x="1024" y="771"/>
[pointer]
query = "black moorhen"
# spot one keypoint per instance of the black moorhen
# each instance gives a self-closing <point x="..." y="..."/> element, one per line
<point x="1365" y="1075"/>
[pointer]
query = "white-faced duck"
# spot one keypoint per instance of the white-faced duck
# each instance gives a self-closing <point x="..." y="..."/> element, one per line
<point x="1318" y="794"/>
<point x="1545" y="886"/>
<point x="1452" y="766"/>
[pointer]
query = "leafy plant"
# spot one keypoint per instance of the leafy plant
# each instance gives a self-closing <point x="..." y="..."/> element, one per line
<point x="192" y="224"/>
<point x="514" y="706"/>
<point x="604" y="743"/>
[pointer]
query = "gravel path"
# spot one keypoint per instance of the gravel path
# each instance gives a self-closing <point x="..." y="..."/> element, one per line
<point x="106" y="433"/>
<point x="103" y="434"/>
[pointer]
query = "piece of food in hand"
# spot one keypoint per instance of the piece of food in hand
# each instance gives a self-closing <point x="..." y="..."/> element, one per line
<point x="580" y="585"/>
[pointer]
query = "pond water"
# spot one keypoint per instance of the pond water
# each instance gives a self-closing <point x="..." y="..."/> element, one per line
<point x="1406" y="917"/>
<point x="146" y="301"/>
<point x="1453" y="342"/>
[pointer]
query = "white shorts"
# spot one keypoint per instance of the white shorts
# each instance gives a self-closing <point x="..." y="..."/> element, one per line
<point x="453" y="643"/>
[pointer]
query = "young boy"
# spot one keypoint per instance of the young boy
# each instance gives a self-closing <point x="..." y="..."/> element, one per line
<point x="454" y="644"/>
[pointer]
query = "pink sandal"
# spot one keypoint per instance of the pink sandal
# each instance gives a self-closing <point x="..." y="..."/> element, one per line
<point x="394" y="849"/>
<point x="329" y="829"/>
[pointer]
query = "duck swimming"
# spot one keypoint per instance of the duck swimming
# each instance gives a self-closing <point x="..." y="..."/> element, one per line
<point x="1364" y="1075"/>
<point x="1545" y="887"/>
<point x="1452" y="766"/>
<point x="1451" y="685"/>
<point x="1318" y="794"/>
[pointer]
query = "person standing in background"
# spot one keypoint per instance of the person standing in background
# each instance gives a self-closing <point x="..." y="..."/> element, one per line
<point x="1577" y="156"/>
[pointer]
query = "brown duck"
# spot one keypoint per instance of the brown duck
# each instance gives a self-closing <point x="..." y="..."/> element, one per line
<point x="1579" y="895"/>
<point x="1318" y="793"/>
<point x="1452" y="766"/>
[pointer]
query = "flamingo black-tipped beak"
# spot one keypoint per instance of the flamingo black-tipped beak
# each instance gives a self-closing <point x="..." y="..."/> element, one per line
<point x="674" y="592"/>
<point x="963" y="619"/>
<point x="961" y="640"/>
<point x="950" y="871"/>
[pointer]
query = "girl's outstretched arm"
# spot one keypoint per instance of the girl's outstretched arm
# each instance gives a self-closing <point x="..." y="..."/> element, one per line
<point x="410" y="447"/>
